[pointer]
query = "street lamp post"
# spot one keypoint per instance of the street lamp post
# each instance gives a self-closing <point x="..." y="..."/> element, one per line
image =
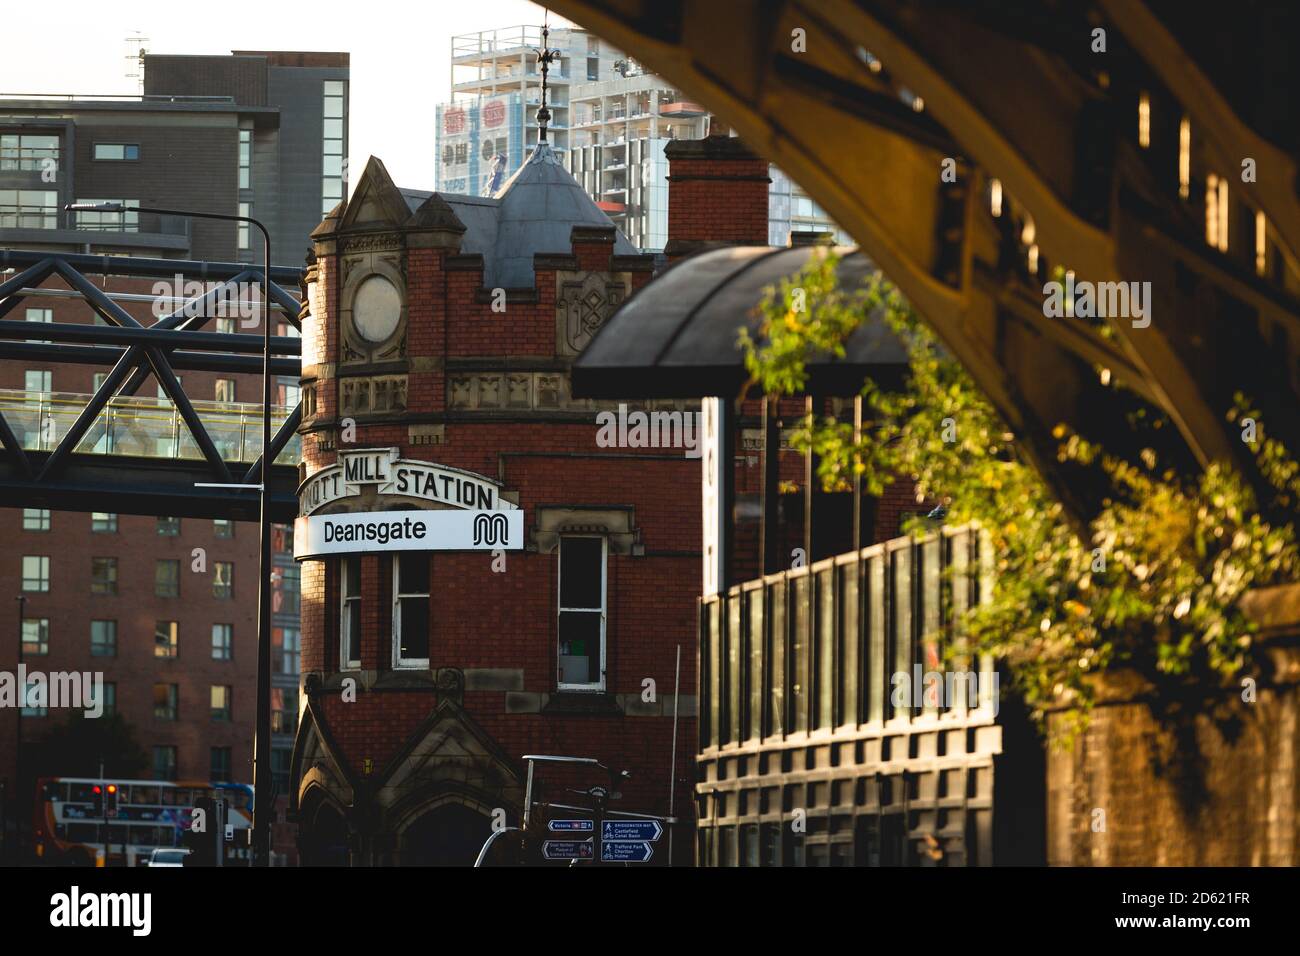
<point x="262" y="808"/>
<point x="11" y="794"/>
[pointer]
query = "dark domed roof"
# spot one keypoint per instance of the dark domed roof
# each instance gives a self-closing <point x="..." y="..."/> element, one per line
<point x="537" y="209"/>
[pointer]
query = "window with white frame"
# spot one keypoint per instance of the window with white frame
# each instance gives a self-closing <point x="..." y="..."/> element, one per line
<point x="350" y="612"/>
<point x="36" y="636"/>
<point x="40" y="315"/>
<point x="36" y="572"/>
<point x="411" y="609"/>
<point x="245" y="157"/>
<point x="334" y="138"/>
<point x="223" y="642"/>
<point x="580" y="656"/>
<point x="37" y="381"/>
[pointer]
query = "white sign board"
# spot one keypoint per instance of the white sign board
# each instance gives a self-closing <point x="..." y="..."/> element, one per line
<point x="391" y="475"/>
<point x="318" y="536"/>
<point x="712" y="523"/>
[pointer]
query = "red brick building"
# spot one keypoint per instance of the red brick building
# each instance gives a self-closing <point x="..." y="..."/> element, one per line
<point x="440" y="332"/>
<point x="439" y="339"/>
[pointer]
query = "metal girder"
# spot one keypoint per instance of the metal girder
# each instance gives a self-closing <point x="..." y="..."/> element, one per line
<point x="281" y="438"/>
<point x="61" y="475"/>
<point x="1227" y="137"/>
<point x="182" y="360"/>
<point x="1025" y="103"/>
<point x="144" y="486"/>
<point x="111" y="312"/>
<point x="152" y="335"/>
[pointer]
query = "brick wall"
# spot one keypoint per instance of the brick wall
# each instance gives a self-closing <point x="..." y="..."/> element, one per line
<point x="718" y="193"/>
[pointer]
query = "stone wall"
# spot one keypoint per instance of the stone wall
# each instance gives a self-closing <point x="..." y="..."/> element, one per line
<point x="1133" y="791"/>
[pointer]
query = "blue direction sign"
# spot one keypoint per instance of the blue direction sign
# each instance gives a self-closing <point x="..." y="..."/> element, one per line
<point x="626" y="852"/>
<point x="567" y="850"/>
<point x="634" y="830"/>
<point x="568" y="826"/>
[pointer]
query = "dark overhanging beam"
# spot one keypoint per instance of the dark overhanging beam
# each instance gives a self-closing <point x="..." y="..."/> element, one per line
<point x="675" y="39"/>
<point x="237" y="342"/>
<point x="144" y="486"/>
<point x="106" y="355"/>
<point x="143" y="267"/>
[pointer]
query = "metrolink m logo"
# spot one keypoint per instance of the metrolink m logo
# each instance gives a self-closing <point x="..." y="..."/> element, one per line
<point x="491" y="529"/>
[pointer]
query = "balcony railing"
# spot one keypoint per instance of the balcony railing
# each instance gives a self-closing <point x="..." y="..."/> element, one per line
<point x="136" y="426"/>
<point x="817" y="650"/>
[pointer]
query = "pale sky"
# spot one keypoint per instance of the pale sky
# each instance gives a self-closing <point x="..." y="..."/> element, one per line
<point x="400" y="51"/>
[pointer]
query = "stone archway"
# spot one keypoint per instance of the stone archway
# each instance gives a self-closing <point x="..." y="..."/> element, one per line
<point x="450" y="834"/>
<point x="325" y="839"/>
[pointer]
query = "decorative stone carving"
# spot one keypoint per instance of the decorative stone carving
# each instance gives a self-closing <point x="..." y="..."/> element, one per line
<point x="450" y="682"/>
<point x="519" y="391"/>
<point x="357" y="268"/>
<point x="488" y="391"/>
<point x="360" y="394"/>
<point x="583" y="301"/>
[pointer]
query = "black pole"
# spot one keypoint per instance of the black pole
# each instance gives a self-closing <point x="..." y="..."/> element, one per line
<point x="12" y="848"/>
<point x="262" y="805"/>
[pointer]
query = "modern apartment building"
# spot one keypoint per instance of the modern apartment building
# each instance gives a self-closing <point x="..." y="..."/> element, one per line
<point x="256" y="134"/>
<point x="487" y="130"/>
<point x="612" y="119"/>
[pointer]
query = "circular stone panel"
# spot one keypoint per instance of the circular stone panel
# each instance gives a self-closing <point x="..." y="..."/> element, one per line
<point x="376" y="309"/>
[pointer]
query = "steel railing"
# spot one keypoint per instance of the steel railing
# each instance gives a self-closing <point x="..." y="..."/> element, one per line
<point x="138" y="426"/>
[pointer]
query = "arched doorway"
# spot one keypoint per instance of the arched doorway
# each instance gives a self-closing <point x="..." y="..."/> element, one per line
<point x="449" y="835"/>
<point x="326" y="841"/>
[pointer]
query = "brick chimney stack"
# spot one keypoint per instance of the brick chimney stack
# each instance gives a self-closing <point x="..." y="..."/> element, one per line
<point x="717" y="196"/>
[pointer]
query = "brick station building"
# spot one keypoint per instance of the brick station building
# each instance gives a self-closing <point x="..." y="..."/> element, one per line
<point x="441" y="328"/>
<point x="436" y="357"/>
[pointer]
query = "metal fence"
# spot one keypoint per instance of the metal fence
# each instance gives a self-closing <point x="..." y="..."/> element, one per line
<point x="821" y="648"/>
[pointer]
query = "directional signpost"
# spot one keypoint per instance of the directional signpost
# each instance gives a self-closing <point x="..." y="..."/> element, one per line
<point x="567" y="849"/>
<point x="626" y="852"/>
<point x="634" y="830"/>
<point x="571" y="826"/>
<point x="628" y="841"/>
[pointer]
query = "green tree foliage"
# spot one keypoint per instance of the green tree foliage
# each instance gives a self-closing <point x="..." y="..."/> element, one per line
<point x="1152" y="584"/>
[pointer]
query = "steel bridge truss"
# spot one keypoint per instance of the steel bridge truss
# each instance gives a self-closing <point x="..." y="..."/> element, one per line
<point x="64" y="478"/>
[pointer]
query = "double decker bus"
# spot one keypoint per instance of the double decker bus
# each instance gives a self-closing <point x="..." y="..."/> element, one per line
<point x="112" y="822"/>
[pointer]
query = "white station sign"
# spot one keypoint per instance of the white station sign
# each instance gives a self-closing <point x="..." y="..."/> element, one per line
<point x="317" y="536"/>
<point x="404" y="477"/>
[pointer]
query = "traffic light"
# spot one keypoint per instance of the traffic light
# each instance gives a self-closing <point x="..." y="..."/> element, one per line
<point x="97" y="801"/>
<point x="110" y="800"/>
